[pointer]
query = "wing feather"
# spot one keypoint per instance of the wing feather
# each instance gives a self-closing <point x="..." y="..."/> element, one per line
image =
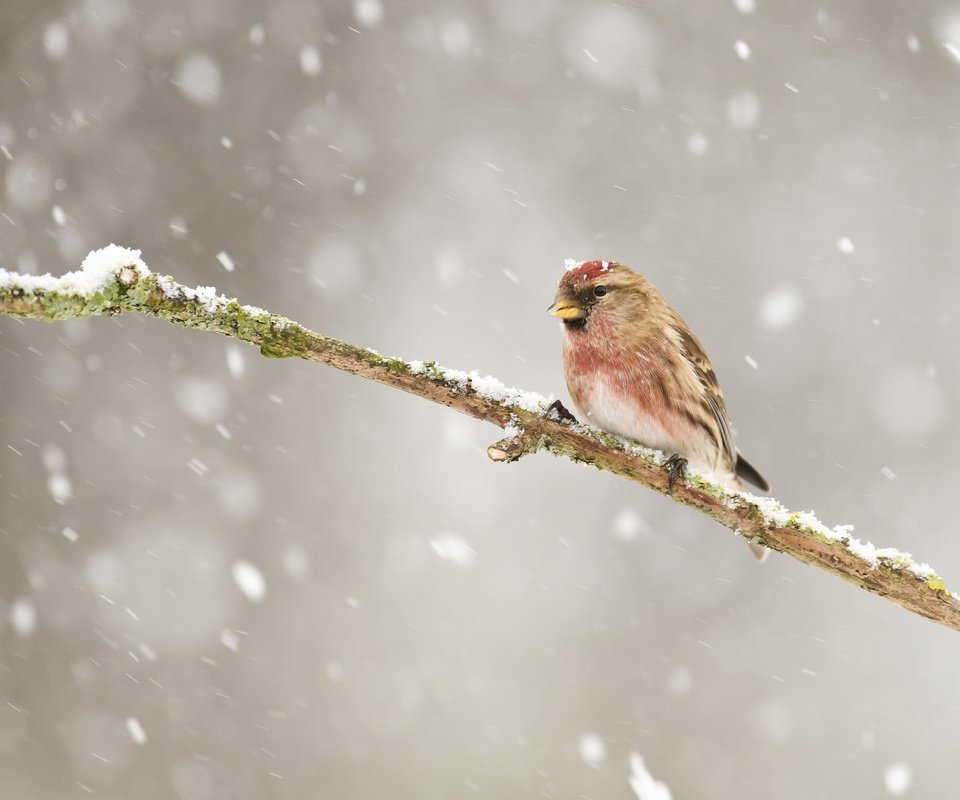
<point x="696" y="357"/>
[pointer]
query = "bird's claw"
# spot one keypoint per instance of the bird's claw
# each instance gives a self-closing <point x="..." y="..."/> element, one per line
<point x="561" y="411"/>
<point x="676" y="467"/>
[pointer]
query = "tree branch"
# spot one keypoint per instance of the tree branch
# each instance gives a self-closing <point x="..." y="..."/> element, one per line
<point x="114" y="280"/>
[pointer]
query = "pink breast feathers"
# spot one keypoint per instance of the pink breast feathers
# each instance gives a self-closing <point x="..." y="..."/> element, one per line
<point x="620" y="392"/>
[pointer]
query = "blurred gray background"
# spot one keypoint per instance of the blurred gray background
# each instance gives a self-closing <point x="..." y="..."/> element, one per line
<point x="226" y="577"/>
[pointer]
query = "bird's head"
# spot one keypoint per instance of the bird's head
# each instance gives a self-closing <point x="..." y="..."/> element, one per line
<point x="601" y="287"/>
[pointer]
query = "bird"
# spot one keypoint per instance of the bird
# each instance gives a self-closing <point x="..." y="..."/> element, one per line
<point x="635" y="369"/>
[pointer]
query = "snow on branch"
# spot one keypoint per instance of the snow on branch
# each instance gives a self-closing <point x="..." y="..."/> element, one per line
<point x="115" y="280"/>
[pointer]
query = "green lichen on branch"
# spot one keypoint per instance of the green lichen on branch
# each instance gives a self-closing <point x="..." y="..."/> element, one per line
<point x="115" y="280"/>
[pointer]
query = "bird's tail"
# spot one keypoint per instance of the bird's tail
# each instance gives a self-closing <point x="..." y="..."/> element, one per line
<point x="746" y="471"/>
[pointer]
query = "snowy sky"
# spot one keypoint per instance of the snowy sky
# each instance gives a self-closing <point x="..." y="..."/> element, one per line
<point x="223" y="576"/>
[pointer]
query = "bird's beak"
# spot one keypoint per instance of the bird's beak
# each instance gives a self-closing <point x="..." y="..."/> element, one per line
<point x="566" y="309"/>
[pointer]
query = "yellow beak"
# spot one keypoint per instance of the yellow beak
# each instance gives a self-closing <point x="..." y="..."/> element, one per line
<point x="566" y="309"/>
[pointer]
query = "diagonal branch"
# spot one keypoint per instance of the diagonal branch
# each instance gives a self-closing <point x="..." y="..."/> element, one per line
<point x="114" y="280"/>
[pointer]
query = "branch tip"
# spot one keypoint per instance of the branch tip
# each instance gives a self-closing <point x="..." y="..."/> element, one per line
<point x="516" y="445"/>
<point x="499" y="451"/>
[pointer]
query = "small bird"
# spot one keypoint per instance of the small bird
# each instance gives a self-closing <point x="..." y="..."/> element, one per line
<point x="635" y="369"/>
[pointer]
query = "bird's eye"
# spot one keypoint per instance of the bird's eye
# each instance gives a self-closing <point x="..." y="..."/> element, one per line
<point x="600" y="291"/>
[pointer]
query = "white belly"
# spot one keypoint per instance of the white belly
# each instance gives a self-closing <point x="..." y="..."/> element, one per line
<point x="605" y="406"/>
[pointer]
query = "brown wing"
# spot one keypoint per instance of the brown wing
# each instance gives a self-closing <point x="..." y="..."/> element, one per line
<point x="703" y="369"/>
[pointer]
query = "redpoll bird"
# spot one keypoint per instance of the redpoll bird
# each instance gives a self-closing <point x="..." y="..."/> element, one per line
<point x="635" y="369"/>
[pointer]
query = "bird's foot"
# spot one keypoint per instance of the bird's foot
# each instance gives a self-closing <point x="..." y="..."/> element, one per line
<point x="561" y="410"/>
<point x="676" y="467"/>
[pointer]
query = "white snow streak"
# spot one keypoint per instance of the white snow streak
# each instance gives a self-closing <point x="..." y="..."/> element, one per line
<point x="455" y="549"/>
<point x="846" y="246"/>
<point x="23" y="617"/>
<point x="225" y="261"/>
<point x="593" y="750"/>
<point x="897" y="778"/>
<point x="249" y="580"/>
<point x="644" y="785"/>
<point x="136" y="731"/>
